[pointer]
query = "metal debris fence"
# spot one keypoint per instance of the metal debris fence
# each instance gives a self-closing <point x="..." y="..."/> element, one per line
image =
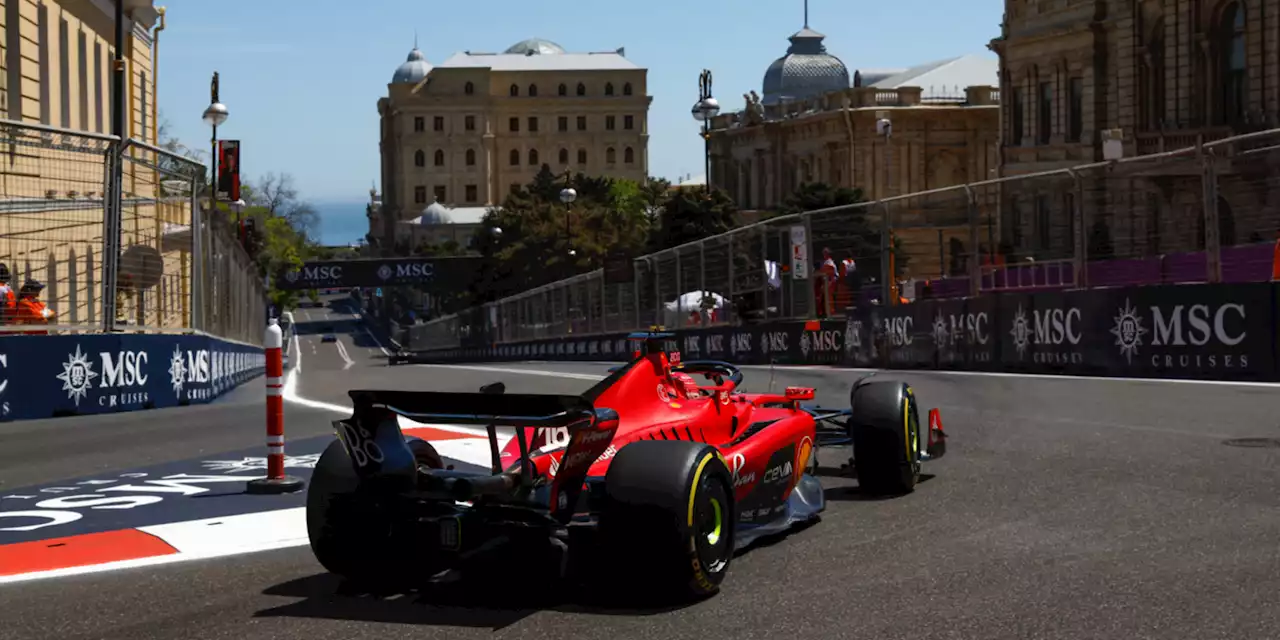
<point x="1207" y="212"/>
<point x="179" y="270"/>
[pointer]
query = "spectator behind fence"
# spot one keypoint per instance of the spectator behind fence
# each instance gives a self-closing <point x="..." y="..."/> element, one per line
<point x="30" y="311"/>
<point x="8" y="302"/>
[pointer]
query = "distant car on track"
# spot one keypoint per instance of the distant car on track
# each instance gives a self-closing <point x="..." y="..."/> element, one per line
<point x="645" y="473"/>
<point x="328" y="337"/>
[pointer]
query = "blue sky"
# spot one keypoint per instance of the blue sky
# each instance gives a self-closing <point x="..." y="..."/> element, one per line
<point x="302" y="79"/>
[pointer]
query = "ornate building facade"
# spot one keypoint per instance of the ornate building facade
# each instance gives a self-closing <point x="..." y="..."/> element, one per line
<point x="466" y="132"/>
<point x="1159" y="75"/>
<point x="812" y="126"/>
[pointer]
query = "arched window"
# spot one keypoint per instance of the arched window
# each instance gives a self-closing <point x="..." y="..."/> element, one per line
<point x="533" y="91"/>
<point x="582" y="156"/>
<point x="563" y="90"/>
<point x="626" y="89"/>
<point x="469" y="89"/>
<point x="582" y="89"/>
<point x="1153" y="85"/>
<point x="515" y="158"/>
<point x="439" y="158"/>
<point x="608" y="88"/>
<point x="471" y="157"/>
<point x="515" y="91"/>
<point x="533" y="157"/>
<point x="419" y="158"/>
<point x="564" y="156"/>
<point x="1232" y="64"/>
<point x="610" y="156"/>
<point x="629" y="155"/>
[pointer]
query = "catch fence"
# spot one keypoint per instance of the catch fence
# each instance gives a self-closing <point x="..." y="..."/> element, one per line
<point x="1208" y="211"/>
<point x="177" y="269"/>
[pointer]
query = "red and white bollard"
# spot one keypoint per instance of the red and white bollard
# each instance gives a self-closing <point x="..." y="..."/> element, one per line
<point x="276" y="481"/>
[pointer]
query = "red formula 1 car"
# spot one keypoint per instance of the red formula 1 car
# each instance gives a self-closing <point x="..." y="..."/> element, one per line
<point x="648" y="470"/>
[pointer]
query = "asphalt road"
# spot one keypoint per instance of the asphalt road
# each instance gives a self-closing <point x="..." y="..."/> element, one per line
<point x="1064" y="509"/>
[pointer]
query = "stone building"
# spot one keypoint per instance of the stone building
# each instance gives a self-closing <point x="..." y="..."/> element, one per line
<point x="811" y="125"/>
<point x="1159" y="75"/>
<point x="57" y="58"/>
<point x="466" y="132"/>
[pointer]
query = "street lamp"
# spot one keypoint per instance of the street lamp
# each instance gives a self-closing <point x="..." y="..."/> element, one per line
<point x="214" y="115"/>
<point x="888" y="270"/>
<point x="567" y="195"/>
<point x="704" y="110"/>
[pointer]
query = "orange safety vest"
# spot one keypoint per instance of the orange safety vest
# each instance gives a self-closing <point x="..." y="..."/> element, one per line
<point x="31" y="311"/>
<point x="1275" y="263"/>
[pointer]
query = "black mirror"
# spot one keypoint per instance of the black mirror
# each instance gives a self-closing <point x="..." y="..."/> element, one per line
<point x="494" y="389"/>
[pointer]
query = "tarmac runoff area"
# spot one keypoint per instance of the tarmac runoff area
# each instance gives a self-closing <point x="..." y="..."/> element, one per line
<point x="1065" y="508"/>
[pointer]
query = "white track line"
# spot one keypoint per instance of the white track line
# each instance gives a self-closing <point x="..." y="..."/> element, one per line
<point x="342" y="351"/>
<point x="202" y="540"/>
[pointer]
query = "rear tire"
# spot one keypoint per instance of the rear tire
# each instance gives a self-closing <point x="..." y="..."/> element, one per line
<point x="348" y="532"/>
<point x="885" y="428"/>
<point x="345" y="533"/>
<point x="670" y="518"/>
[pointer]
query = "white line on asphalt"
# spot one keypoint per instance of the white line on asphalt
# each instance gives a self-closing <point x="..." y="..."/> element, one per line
<point x="346" y="359"/>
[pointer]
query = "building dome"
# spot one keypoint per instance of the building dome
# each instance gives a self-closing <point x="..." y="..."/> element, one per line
<point x="414" y="69"/>
<point x="806" y="71"/>
<point x="435" y="213"/>
<point x="535" y="46"/>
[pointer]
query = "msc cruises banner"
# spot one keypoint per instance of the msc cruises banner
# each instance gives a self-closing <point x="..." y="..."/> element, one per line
<point x="436" y="274"/>
<point x="1204" y="331"/>
<point x="51" y="376"/>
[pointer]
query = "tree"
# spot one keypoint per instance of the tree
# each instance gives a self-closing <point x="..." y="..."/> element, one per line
<point x="176" y="166"/>
<point x="276" y="194"/>
<point x="535" y="239"/>
<point x="691" y="214"/>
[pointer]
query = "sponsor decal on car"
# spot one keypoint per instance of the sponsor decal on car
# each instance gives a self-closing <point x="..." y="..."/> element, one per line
<point x="737" y="462"/>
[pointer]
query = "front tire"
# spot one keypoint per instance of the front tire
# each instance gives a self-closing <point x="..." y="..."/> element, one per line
<point x="670" y="515"/>
<point x="885" y="428"/>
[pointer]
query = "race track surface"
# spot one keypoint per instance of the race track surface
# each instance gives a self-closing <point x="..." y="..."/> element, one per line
<point x="1065" y="508"/>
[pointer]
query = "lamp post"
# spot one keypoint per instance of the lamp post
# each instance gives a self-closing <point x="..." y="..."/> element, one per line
<point x="567" y="195"/>
<point x="238" y="207"/>
<point x="888" y="270"/>
<point x="214" y="115"/>
<point x="704" y="110"/>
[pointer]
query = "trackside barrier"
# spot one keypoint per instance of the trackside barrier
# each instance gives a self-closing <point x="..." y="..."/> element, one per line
<point x="1197" y="331"/>
<point x="276" y="481"/>
<point x="49" y="376"/>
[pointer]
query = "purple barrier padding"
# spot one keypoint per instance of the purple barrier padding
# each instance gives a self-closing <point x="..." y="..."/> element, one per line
<point x="1240" y="263"/>
<point x="1177" y="268"/>
<point x="1247" y="262"/>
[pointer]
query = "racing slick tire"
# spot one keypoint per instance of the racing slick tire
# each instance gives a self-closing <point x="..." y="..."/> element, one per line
<point x="347" y="534"/>
<point x="885" y="428"/>
<point x="669" y="517"/>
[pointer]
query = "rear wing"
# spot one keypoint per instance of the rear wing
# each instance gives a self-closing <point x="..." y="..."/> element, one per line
<point x="497" y="409"/>
<point x="379" y="452"/>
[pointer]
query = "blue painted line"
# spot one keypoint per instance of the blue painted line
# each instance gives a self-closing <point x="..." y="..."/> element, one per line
<point x="210" y="486"/>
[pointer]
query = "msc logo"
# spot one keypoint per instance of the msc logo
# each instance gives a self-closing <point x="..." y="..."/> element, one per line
<point x="327" y="272"/>
<point x="415" y="270"/>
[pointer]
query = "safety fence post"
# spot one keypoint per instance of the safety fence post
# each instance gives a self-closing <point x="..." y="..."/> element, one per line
<point x="276" y="481"/>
